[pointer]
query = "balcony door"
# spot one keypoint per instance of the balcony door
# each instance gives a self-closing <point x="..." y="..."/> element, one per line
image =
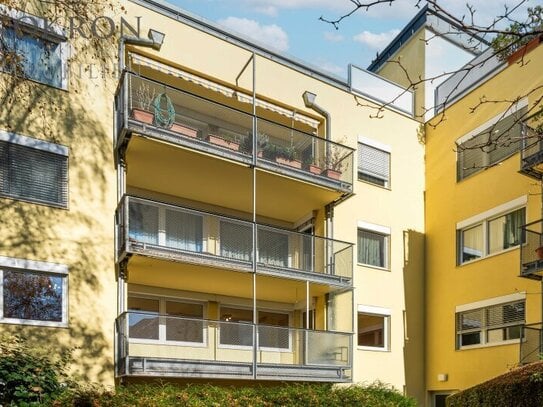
<point x="273" y="248"/>
<point x="236" y="240"/>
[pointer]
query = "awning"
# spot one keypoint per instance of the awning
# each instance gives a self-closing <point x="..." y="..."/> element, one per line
<point x="224" y="90"/>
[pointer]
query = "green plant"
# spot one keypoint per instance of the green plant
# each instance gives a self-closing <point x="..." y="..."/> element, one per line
<point x="30" y="375"/>
<point x="518" y="34"/>
<point x="334" y="159"/>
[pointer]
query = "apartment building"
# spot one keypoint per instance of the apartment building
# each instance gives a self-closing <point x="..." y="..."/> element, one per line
<point x="244" y="226"/>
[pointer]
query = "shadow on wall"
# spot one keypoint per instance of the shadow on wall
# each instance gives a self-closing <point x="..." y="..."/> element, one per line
<point x="80" y="237"/>
<point x="413" y="277"/>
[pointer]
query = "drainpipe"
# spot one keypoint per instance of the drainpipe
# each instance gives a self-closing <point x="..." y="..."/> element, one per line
<point x="309" y="101"/>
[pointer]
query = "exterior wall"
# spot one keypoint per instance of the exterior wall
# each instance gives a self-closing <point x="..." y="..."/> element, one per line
<point x="449" y="202"/>
<point x="81" y="236"/>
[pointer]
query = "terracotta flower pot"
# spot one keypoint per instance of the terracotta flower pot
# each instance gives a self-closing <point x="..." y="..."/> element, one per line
<point x="314" y="169"/>
<point x="184" y="130"/>
<point x="539" y="252"/>
<point x="142" y="116"/>
<point x="219" y="141"/>
<point x="332" y="173"/>
<point x="290" y="163"/>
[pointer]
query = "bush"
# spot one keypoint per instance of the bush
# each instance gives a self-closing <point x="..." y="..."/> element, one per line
<point x="29" y="376"/>
<point x="315" y="395"/>
<point x="520" y="387"/>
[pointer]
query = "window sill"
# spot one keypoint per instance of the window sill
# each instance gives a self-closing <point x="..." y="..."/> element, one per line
<point x="490" y="345"/>
<point x="373" y="267"/>
<point x="372" y="349"/>
<point x="489" y="256"/>
<point x="385" y="187"/>
<point x="45" y="324"/>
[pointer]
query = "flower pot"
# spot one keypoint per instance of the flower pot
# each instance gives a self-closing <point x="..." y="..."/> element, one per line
<point x="290" y="163"/>
<point x="143" y="116"/>
<point x="539" y="252"/>
<point x="184" y="130"/>
<point x="314" y="169"/>
<point x="331" y="173"/>
<point x="219" y="141"/>
<point x="522" y="51"/>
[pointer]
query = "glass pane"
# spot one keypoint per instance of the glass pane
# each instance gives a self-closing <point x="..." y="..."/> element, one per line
<point x="505" y="232"/>
<point x="472" y="338"/>
<point x="236" y="241"/>
<point x="372" y="248"/>
<point x="272" y="248"/>
<point x="181" y="329"/>
<point x="371" y="330"/>
<point x="472" y="243"/>
<point x="273" y="337"/>
<point x="236" y="334"/>
<point x="141" y="324"/>
<point x="471" y="320"/>
<point x="373" y="165"/>
<point x="32" y="296"/>
<point x="143" y="220"/>
<point x="183" y="230"/>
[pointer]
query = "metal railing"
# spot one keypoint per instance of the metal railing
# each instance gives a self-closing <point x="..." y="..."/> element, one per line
<point x="169" y="231"/>
<point x="531" y="345"/>
<point x="531" y="252"/>
<point x="531" y="151"/>
<point x="213" y="344"/>
<point x="173" y="115"/>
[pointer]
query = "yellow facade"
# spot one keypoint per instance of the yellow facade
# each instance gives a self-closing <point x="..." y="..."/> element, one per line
<point x="448" y="203"/>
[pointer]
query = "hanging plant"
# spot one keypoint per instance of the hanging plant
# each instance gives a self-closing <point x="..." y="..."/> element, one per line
<point x="164" y="117"/>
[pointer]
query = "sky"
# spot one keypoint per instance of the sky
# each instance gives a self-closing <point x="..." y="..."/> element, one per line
<point x="293" y="27"/>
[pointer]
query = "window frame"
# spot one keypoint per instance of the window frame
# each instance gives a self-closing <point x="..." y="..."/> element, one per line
<point x="365" y="142"/>
<point x="484" y="307"/>
<point x="484" y="221"/>
<point x="375" y="312"/>
<point x="162" y="318"/>
<point x="35" y="267"/>
<point x="377" y="230"/>
<point x="48" y="147"/>
<point x="54" y="33"/>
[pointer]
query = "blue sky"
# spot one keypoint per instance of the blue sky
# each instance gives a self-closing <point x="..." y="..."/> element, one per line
<point x="293" y="26"/>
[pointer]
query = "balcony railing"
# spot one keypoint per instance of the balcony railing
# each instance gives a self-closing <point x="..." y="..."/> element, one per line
<point x="183" y="119"/>
<point x="175" y="233"/>
<point x="531" y="253"/>
<point x="162" y="345"/>
<point x="531" y="346"/>
<point x="531" y="152"/>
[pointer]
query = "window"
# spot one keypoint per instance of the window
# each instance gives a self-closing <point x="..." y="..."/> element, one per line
<point x="491" y="235"/>
<point x="182" y="321"/>
<point x="491" y="324"/>
<point x="373" y="330"/>
<point x="373" y="165"/>
<point x="276" y="335"/>
<point x="489" y="146"/>
<point x="43" y="53"/>
<point x="373" y="248"/>
<point x="33" y="170"/>
<point x="33" y="293"/>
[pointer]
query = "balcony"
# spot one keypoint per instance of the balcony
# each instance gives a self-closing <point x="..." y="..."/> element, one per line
<point x="171" y="115"/>
<point x="174" y="233"/>
<point x="531" y="253"/>
<point x="531" y="153"/>
<point x="171" y="346"/>
<point x="531" y="346"/>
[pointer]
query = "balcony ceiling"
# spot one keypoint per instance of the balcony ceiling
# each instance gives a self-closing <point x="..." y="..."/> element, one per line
<point x="171" y="170"/>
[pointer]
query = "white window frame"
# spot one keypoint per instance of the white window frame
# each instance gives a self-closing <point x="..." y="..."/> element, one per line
<point x="378" y="146"/>
<point x="484" y="304"/>
<point x="385" y="313"/>
<point x="31" y="266"/>
<point x="162" y="317"/>
<point x="30" y="142"/>
<point x="484" y="219"/>
<point x="381" y="230"/>
<point x="54" y="33"/>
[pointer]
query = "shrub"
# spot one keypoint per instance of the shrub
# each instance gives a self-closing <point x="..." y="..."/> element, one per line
<point x="520" y="387"/>
<point x="29" y="376"/>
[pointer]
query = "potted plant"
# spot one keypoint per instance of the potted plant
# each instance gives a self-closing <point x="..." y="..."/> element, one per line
<point x="220" y="141"/>
<point x="143" y="100"/>
<point x="333" y="162"/>
<point x="287" y="156"/>
<point x="539" y="252"/>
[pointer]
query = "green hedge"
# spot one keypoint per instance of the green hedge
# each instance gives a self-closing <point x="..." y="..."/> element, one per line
<point x="325" y="395"/>
<point x="520" y="387"/>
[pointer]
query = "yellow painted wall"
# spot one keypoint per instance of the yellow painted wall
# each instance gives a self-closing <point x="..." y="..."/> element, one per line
<point x="81" y="236"/>
<point x="448" y="202"/>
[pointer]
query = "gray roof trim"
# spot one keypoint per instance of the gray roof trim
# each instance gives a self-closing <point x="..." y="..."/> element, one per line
<point x="199" y="23"/>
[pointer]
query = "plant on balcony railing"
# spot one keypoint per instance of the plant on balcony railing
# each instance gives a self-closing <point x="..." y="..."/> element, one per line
<point x="333" y="163"/>
<point x="284" y="155"/>
<point x="143" y="98"/>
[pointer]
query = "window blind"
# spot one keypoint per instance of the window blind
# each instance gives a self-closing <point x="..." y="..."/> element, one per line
<point x="373" y="162"/>
<point x="32" y="174"/>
